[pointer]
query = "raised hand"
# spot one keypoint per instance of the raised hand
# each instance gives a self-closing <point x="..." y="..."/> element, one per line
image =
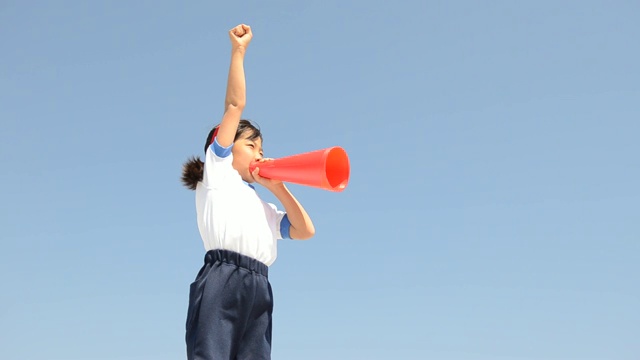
<point x="240" y="36"/>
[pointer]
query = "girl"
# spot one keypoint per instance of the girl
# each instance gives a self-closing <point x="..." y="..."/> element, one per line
<point x="230" y="301"/>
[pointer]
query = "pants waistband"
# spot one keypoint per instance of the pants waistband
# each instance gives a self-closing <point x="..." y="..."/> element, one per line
<point x="232" y="257"/>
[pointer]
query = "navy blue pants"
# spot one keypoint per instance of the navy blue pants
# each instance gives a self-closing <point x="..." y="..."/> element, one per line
<point x="230" y="307"/>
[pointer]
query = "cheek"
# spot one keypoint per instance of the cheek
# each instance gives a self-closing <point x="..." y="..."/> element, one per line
<point x="242" y="155"/>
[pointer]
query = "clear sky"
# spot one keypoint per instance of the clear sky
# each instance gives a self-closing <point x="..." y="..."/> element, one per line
<point x="492" y="211"/>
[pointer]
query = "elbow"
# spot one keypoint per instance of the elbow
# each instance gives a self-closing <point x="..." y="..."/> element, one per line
<point x="309" y="233"/>
<point x="235" y="106"/>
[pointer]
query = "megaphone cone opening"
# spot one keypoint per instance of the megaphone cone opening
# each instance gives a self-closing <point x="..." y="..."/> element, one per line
<point x="337" y="168"/>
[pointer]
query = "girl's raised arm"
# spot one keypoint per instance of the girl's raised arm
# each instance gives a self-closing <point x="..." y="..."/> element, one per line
<point x="236" y="97"/>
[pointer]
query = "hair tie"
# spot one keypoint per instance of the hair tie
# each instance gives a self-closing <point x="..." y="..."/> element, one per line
<point x="215" y="132"/>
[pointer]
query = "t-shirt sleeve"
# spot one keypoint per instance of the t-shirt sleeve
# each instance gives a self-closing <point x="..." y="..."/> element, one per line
<point x="219" y="150"/>
<point x="218" y="164"/>
<point x="279" y="221"/>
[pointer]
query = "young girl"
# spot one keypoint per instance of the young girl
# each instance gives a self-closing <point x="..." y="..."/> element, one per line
<point x="230" y="301"/>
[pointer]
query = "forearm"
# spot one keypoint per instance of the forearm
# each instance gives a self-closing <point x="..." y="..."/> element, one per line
<point x="301" y="225"/>
<point x="236" y="86"/>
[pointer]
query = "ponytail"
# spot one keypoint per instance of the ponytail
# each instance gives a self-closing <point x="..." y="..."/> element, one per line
<point x="192" y="172"/>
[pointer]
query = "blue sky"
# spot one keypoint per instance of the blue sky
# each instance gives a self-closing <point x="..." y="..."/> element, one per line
<point x="492" y="211"/>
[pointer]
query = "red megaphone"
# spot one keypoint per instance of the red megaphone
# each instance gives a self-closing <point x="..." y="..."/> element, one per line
<point x="327" y="169"/>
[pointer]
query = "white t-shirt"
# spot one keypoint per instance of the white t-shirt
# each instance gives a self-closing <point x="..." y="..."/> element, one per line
<point x="231" y="215"/>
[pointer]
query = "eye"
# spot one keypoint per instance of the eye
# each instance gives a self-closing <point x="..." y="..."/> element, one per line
<point x="251" y="145"/>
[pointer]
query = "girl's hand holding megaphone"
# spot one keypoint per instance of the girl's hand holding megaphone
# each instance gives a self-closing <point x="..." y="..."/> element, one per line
<point x="267" y="183"/>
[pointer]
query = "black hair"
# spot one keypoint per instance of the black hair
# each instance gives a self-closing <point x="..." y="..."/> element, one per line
<point x="193" y="168"/>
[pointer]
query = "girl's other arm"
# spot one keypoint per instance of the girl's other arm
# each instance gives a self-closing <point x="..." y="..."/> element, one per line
<point x="301" y="225"/>
<point x="235" y="99"/>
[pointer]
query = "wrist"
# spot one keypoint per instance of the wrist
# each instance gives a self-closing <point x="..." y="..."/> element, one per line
<point x="238" y="50"/>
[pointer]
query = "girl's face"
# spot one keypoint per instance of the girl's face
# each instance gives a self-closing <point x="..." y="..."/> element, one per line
<point x="245" y="152"/>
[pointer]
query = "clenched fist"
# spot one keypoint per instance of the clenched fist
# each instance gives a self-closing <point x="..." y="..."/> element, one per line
<point x="240" y="36"/>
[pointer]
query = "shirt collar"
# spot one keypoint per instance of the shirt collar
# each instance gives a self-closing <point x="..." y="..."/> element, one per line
<point x="249" y="185"/>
